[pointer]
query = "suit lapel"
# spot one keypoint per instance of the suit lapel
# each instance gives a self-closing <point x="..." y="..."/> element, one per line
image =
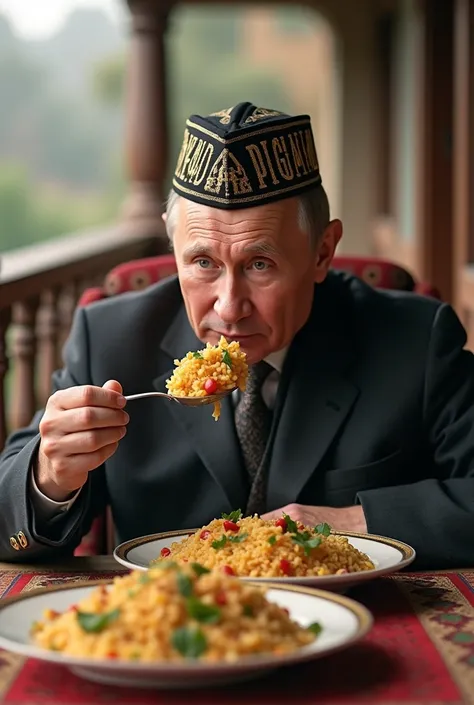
<point x="314" y="398"/>
<point x="215" y="442"/>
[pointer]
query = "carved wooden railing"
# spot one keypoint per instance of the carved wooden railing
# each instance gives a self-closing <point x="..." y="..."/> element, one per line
<point x="39" y="289"/>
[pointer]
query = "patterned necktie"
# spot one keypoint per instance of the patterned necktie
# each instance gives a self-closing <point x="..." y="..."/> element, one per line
<point x="252" y="422"/>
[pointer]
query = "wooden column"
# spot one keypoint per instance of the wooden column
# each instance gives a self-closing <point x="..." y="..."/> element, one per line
<point x="436" y="134"/>
<point x="146" y="113"/>
<point x="5" y="316"/>
<point x="24" y="358"/>
<point x="463" y="183"/>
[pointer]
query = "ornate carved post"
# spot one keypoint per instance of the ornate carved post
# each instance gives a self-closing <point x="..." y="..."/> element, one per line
<point x="66" y="307"/>
<point x="24" y="357"/>
<point x="47" y="335"/>
<point x="146" y="129"/>
<point x="5" y="315"/>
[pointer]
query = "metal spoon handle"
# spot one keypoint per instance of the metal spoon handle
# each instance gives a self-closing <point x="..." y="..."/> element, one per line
<point x="143" y="395"/>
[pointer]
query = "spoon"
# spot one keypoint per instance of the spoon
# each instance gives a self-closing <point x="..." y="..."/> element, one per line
<point x="186" y="401"/>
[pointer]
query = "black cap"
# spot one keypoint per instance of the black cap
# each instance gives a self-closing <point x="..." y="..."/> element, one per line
<point x="246" y="156"/>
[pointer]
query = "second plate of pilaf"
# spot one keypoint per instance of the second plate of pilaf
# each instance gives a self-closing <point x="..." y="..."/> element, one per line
<point x="273" y="550"/>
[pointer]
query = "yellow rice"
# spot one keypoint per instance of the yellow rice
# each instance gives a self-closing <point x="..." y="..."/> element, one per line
<point x="225" y="363"/>
<point x="258" y="548"/>
<point x="146" y="617"/>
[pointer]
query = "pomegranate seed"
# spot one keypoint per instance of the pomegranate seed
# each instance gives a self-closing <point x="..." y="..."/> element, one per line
<point x="204" y="534"/>
<point x="281" y="522"/>
<point x="210" y="386"/>
<point x="221" y="598"/>
<point x="73" y="608"/>
<point x="112" y="654"/>
<point x="228" y="570"/>
<point x="165" y="552"/>
<point x="285" y="566"/>
<point x="231" y="526"/>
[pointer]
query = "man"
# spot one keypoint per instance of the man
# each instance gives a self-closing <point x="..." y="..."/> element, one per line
<point x="359" y="409"/>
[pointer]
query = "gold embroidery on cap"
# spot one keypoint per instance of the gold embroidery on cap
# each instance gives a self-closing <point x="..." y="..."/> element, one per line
<point x="260" y="113"/>
<point x="14" y="543"/>
<point x="227" y="170"/>
<point x="224" y="114"/>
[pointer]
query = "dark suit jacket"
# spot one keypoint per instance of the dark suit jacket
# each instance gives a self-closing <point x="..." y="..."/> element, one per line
<point x="375" y="405"/>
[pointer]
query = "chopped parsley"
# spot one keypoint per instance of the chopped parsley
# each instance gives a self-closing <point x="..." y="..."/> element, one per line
<point x="307" y="541"/>
<point x="94" y="623"/>
<point x="290" y="524"/>
<point x="185" y="585"/>
<point x="233" y="516"/>
<point x="226" y="358"/>
<point x="199" y="569"/>
<point x="272" y="540"/>
<point x="190" y="642"/>
<point x="219" y="543"/>
<point x="238" y="538"/>
<point x="208" y="614"/>
<point x="323" y="529"/>
<point x="315" y="628"/>
<point x="197" y="355"/>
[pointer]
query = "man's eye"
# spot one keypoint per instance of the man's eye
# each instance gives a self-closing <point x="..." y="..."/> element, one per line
<point x="260" y="265"/>
<point x="203" y="263"/>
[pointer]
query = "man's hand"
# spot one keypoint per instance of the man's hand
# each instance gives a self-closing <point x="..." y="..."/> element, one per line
<point x="80" y="429"/>
<point x="343" y="519"/>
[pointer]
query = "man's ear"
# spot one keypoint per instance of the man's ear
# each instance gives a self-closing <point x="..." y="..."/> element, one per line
<point x="164" y="216"/>
<point x="326" y="250"/>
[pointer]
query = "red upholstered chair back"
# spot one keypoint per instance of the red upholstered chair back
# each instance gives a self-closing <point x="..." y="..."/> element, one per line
<point x="140" y="273"/>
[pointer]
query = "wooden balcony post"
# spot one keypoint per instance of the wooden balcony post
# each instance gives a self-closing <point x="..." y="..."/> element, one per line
<point x="24" y="357"/>
<point x="47" y="335"/>
<point x="146" y="113"/>
<point x="5" y="314"/>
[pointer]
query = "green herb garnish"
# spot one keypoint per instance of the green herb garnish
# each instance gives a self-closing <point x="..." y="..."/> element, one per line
<point x="199" y="569"/>
<point x="291" y="525"/>
<point x="189" y="641"/>
<point x="144" y="579"/>
<point x="185" y="585"/>
<point x="233" y="516"/>
<point x="197" y="355"/>
<point x="315" y="628"/>
<point x="95" y="623"/>
<point x="219" y="543"/>
<point x="272" y="540"/>
<point x="238" y="538"/>
<point x="226" y="358"/>
<point x="323" y="529"/>
<point x="164" y="564"/>
<point x="208" y="614"/>
<point x="305" y="540"/>
<point x="247" y="611"/>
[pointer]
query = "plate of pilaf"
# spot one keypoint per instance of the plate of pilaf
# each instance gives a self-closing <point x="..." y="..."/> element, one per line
<point x="280" y="550"/>
<point x="178" y="627"/>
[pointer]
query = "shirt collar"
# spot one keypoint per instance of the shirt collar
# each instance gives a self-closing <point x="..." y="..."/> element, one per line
<point x="276" y="359"/>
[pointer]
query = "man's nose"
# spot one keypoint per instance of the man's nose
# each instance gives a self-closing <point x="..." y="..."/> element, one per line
<point x="232" y="301"/>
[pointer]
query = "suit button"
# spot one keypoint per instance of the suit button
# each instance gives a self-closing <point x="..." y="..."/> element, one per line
<point x="14" y="543"/>
<point x="22" y="540"/>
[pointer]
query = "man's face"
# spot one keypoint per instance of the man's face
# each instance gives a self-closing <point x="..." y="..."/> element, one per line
<point x="249" y="274"/>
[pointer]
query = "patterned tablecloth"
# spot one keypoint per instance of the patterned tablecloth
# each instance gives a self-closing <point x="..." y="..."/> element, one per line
<point x="419" y="652"/>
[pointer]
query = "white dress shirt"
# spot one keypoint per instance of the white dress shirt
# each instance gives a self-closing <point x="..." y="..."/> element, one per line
<point x="47" y="508"/>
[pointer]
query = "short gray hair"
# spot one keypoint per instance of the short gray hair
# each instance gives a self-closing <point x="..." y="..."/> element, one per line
<point x="313" y="215"/>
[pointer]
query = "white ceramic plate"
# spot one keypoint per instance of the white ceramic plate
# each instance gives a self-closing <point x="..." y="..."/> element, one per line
<point x="388" y="556"/>
<point x="343" y="622"/>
